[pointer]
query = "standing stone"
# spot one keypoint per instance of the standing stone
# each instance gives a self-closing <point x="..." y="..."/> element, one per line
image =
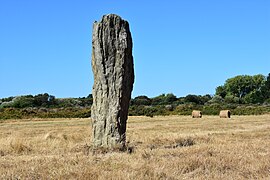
<point x="112" y="65"/>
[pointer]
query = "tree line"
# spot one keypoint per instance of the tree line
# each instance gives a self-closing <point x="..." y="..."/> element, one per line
<point x="240" y="94"/>
<point x="242" y="89"/>
<point x="45" y="101"/>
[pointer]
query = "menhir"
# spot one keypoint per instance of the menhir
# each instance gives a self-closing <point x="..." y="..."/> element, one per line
<point x="112" y="65"/>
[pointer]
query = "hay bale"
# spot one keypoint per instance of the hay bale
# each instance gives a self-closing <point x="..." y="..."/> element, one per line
<point x="225" y="114"/>
<point x="196" y="114"/>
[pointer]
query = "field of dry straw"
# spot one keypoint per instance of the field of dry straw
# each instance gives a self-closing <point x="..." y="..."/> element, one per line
<point x="174" y="147"/>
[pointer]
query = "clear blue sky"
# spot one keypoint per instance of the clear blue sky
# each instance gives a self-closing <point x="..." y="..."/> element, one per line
<point x="180" y="46"/>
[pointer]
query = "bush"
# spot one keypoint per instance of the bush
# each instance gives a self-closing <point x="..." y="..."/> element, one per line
<point x="26" y="113"/>
<point x="251" y="110"/>
<point x="231" y="99"/>
<point x="185" y="109"/>
<point x="212" y="109"/>
<point x="216" y="99"/>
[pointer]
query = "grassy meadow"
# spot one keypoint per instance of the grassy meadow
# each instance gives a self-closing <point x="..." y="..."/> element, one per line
<point x="164" y="147"/>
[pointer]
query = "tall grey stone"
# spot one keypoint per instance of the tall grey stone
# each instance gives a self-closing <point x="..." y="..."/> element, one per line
<point x="112" y="65"/>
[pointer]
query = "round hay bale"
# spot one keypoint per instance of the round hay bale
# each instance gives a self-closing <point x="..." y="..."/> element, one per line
<point x="225" y="114"/>
<point x="196" y="114"/>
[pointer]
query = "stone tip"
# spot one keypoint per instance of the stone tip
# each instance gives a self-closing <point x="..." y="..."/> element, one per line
<point x="111" y="16"/>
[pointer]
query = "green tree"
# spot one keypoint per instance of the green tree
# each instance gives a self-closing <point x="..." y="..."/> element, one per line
<point x="44" y="100"/>
<point x="170" y="98"/>
<point x="239" y="86"/>
<point x="216" y="100"/>
<point x="231" y="99"/>
<point x="164" y="99"/>
<point x="221" y="91"/>
<point x="7" y="99"/>
<point x="254" y="97"/>
<point x="206" y="98"/>
<point x="193" y="99"/>
<point x="23" y="101"/>
<point x="196" y="99"/>
<point x="90" y="96"/>
<point x="141" y="100"/>
<point x="266" y="88"/>
<point x="158" y="100"/>
<point x="244" y="88"/>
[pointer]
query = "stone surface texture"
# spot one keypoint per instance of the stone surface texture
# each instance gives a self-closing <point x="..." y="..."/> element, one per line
<point x="112" y="66"/>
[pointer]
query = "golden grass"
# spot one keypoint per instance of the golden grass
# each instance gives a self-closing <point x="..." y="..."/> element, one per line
<point x="174" y="147"/>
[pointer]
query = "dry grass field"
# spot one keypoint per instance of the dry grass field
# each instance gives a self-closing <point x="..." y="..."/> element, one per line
<point x="173" y="147"/>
